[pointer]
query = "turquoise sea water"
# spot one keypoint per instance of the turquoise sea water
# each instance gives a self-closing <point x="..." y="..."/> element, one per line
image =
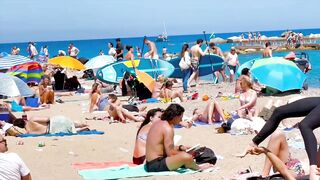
<point x="91" y="48"/>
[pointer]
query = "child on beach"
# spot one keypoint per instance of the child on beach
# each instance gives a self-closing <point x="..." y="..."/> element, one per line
<point x="167" y="94"/>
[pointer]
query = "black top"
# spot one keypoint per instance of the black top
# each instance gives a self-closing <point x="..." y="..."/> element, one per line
<point x="119" y="48"/>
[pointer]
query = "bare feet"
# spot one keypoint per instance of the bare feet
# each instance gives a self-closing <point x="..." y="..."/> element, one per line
<point x="314" y="173"/>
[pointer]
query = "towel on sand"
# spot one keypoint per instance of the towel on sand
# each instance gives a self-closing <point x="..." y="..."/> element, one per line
<point x="100" y="165"/>
<point x="63" y="134"/>
<point x="128" y="172"/>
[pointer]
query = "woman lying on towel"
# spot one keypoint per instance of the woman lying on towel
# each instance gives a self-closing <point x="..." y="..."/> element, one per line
<point x="19" y="105"/>
<point x="118" y="112"/>
<point x="44" y="125"/>
<point x="211" y="113"/>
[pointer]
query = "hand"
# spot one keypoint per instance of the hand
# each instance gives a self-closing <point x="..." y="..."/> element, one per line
<point x="248" y="150"/>
<point x="258" y="150"/>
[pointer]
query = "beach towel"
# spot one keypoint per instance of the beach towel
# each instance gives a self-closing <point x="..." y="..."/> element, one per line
<point x="63" y="134"/>
<point x="32" y="102"/>
<point x="100" y="165"/>
<point x="128" y="172"/>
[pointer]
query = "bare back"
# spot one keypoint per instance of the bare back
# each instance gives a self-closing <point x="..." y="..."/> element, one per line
<point x="36" y="128"/>
<point x="153" y="49"/>
<point x="160" y="134"/>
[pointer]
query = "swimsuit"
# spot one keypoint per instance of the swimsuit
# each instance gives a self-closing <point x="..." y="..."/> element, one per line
<point x="157" y="165"/>
<point x="138" y="160"/>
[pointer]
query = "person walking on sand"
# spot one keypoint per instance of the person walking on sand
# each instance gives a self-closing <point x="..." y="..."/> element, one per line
<point x="196" y="53"/>
<point x="152" y="53"/>
<point x="12" y="166"/>
<point x="217" y="51"/>
<point x="73" y="51"/>
<point x="161" y="153"/>
<point x="232" y="61"/>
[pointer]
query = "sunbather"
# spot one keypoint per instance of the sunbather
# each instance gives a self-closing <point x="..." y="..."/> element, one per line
<point x="248" y="99"/>
<point x="46" y="91"/>
<point x="18" y="104"/>
<point x="167" y="94"/>
<point x="211" y="113"/>
<point x="139" y="153"/>
<point x="49" y="125"/>
<point x="116" y="110"/>
<point x="97" y="101"/>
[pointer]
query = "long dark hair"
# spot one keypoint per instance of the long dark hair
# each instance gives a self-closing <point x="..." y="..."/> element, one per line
<point x="172" y="111"/>
<point x="184" y="49"/>
<point x="150" y="113"/>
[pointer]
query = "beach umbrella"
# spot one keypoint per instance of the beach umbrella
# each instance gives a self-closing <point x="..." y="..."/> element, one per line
<point x="3" y="54"/>
<point x="247" y="64"/>
<point x="28" y="72"/>
<point x="146" y="79"/>
<point x="12" y="60"/>
<point x="278" y="73"/>
<point x="12" y="86"/>
<point x="99" y="61"/>
<point x="67" y="62"/>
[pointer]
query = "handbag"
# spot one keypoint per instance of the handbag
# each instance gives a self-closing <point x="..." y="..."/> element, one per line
<point x="205" y="155"/>
<point x="183" y="65"/>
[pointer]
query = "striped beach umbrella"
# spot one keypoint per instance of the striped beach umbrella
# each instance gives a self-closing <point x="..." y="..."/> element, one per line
<point x="12" y="60"/>
<point x="28" y="72"/>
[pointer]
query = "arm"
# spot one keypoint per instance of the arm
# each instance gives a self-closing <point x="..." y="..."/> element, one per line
<point x="40" y="119"/>
<point x="94" y="100"/>
<point x="41" y="90"/>
<point x="169" y="147"/>
<point x="276" y="162"/>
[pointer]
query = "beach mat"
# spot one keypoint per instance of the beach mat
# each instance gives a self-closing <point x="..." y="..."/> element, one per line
<point x="62" y="134"/>
<point x="127" y="172"/>
<point x="100" y="165"/>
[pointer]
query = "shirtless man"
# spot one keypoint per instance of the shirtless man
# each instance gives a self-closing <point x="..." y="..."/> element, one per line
<point x="211" y="113"/>
<point x="196" y="53"/>
<point x="217" y="51"/>
<point x="152" y="53"/>
<point x="267" y="52"/>
<point x="161" y="154"/>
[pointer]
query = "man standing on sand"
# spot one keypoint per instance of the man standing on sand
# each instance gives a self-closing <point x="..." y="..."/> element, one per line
<point x="32" y="51"/>
<point x="152" y="53"/>
<point x="196" y="53"/>
<point x="73" y="51"/>
<point x="161" y="154"/>
<point x="216" y="50"/>
<point x="11" y="165"/>
<point x="119" y="50"/>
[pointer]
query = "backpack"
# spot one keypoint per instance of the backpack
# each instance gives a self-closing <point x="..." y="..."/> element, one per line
<point x="205" y="155"/>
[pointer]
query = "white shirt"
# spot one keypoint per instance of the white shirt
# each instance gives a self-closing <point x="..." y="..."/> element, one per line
<point x="232" y="59"/>
<point x="12" y="167"/>
<point x="74" y="51"/>
<point x="112" y="51"/>
<point x="33" y="50"/>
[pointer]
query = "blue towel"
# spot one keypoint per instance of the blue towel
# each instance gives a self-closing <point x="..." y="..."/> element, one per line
<point x="32" y="102"/>
<point x="62" y="134"/>
<point x="127" y="172"/>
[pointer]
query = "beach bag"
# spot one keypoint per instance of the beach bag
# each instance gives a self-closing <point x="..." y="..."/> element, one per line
<point x="183" y="64"/>
<point x="205" y="155"/>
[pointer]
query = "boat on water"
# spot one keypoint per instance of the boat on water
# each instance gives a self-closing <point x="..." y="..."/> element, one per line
<point x="164" y="36"/>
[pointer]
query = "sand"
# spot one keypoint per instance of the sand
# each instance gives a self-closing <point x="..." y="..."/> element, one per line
<point x="53" y="161"/>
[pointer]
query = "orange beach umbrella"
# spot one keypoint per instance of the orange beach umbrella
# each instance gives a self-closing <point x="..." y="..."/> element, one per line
<point x="67" y="62"/>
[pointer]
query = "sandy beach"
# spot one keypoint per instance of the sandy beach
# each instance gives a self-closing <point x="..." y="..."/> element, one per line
<point x="53" y="161"/>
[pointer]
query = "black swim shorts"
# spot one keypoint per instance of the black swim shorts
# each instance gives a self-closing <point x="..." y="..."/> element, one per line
<point x="157" y="165"/>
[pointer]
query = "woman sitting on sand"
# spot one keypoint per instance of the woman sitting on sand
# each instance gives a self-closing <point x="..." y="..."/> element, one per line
<point x="46" y="125"/>
<point x="167" y="94"/>
<point x="97" y="101"/>
<point x="248" y="99"/>
<point x="116" y="110"/>
<point x="139" y="153"/>
<point x="255" y="84"/>
<point x="211" y="113"/>
<point x="45" y="91"/>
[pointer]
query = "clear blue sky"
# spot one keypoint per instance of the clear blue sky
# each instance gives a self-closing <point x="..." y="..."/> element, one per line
<point x="42" y="20"/>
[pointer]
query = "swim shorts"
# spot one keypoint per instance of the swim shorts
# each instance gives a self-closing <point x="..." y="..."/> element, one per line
<point x="195" y="64"/>
<point x="157" y="165"/>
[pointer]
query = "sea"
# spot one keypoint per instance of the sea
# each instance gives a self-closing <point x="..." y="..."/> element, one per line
<point x="91" y="47"/>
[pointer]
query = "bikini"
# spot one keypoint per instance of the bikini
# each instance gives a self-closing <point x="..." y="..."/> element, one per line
<point x="244" y="98"/>
<point x="140" y="160"/>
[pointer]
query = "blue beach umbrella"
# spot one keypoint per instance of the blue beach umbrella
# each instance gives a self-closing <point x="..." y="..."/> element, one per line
<point x="278" y="73"/>
<point x="12" y="60"/>
<point x="247" y="64"/>
<point x="12" y="86"/>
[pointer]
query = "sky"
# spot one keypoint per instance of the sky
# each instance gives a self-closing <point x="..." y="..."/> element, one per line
<point x="53" y="20"/>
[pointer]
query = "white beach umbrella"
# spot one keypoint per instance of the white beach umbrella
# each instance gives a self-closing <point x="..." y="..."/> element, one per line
<point x="12" y="86"/>
<point x="99" y="61"/>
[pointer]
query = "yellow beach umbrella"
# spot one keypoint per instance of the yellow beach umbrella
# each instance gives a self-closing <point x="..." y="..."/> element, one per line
<point x="146" y="79"/>
<point x="67" y="62"/>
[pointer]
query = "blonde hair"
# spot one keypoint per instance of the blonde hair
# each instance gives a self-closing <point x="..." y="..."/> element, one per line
<point x="246" y="80"/>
